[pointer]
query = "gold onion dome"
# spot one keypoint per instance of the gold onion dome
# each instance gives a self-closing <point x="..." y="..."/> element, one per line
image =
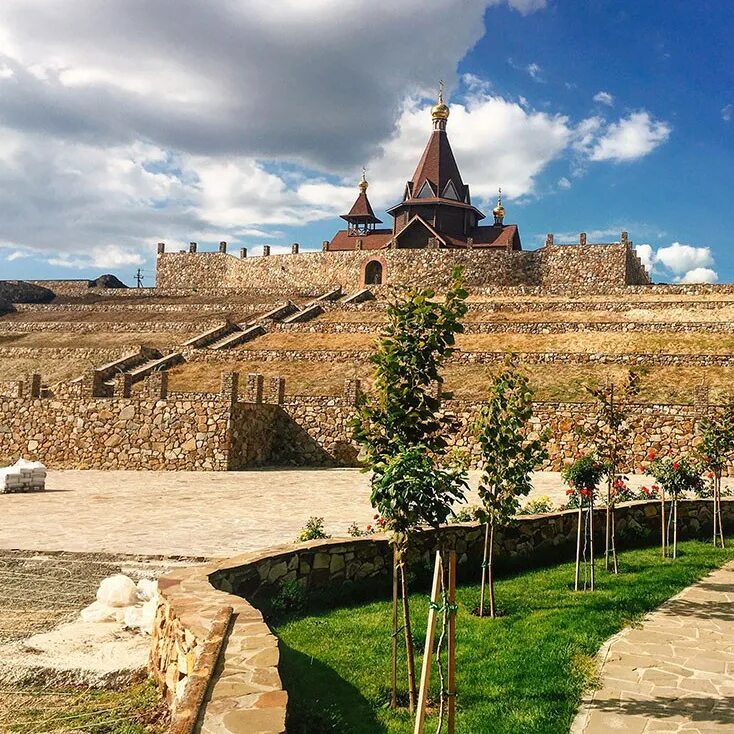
<point x="499" y="210"/>
<point x="363" y="183"/>
<point x="440" y="111"/>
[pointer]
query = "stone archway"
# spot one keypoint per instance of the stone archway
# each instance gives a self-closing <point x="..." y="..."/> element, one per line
<point x="374" y="272"/>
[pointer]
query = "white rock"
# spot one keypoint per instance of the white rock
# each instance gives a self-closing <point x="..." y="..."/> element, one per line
<point x="117" y="591"/>
<point x="97" y="612"/>
<point x="147" y="589"/>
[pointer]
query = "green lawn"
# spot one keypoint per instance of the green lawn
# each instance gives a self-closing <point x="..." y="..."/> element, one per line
<point x="522" y="673"/>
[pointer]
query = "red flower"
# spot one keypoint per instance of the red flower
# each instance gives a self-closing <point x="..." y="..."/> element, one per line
<point x="369" y="527"/>
<point x="375" y="517"/>
<point x="651" y="454"/>
<point x="655" y="487"/>
<point x="710" y="474"/>
<point x="569" y="491"/>
<point x="675" y="466"/>
<point x="586" y="493"/>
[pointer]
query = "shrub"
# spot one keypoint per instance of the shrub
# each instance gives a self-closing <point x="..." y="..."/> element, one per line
<point x="538" y="506"/>
<point x="312" y="530"/>
<point x="469" y="513"/>
<point x="290" y="598"/>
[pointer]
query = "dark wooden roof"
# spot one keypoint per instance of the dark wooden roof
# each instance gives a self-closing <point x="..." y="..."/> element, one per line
<point x="361" y="211"/>
<point x="374" y="240"/>
<point x="438" y="166"/>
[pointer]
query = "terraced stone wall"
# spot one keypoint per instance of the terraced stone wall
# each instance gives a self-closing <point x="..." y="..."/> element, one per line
<point x="569" y="268"/>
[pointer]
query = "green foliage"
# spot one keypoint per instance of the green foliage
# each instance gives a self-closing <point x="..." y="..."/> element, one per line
<point x="539" y="649"/>
<point x="468" y="513"/>
<point x="290" y="598"/>
<point x="312" y="530"/>
<point x="610" y="434"/>
<point x="508" y="456"/>
<point x="582" y="478"/>
<point x="677" y="476"/>
<point x="412" y="490"/>
<point x="400" y="428"/>
<point x="716" y="448"/>
<point x="538" y="506"/>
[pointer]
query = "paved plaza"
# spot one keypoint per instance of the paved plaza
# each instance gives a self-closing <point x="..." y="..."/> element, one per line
<point x="208" y="514"/>
<point x="193" y="513"/>
<point x="675" y="672"/>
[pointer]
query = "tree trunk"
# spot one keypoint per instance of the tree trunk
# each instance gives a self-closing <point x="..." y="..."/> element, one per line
<point x="410" y="652"/>
<point x="485" y="556"/>
<point x="578" y="547"/>
<point x="614" y="543"/>
<point x="662" y="523"/>
<point x="490" y="571"/>
<point x="608" y="543"/>
<point x="394" y="646"/>
<point x="591" y="539"/>
<point x="718" y="509"/>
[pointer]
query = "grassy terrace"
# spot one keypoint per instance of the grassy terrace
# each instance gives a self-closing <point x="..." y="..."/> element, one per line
<point x="469" y="382"/>
<point x="614" y="342"/>
<point x="523" y="673"/>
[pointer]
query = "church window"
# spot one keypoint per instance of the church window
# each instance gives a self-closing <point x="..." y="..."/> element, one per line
<point x="426" y="191"/>
<point x="450" y="192"/>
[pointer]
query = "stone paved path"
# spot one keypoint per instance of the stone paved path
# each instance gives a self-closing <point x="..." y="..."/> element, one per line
<point x="196" y="513"/>
<point x="675" y="673"/>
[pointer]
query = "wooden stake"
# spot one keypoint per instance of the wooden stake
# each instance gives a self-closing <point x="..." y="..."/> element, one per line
<point x="578" y="547"/>
<point x="662" y="523"/>
<point x="420" y="717"/>
<point x="451" y="720"/>
<point x="410" y="653"/>
<point x="484" y="568"/>
<point x="591" y="539"/>
<point x="394" y="691"/>
<point x="675" y="527"/>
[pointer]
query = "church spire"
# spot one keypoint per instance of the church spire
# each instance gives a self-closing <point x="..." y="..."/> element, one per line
<point x="361" y="217"/>
<point x="440" y="111"/>
<point x="499" y="210"/>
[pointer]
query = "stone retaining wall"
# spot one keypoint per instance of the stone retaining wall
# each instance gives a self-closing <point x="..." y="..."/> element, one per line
<point x="570" y="268"/>
<point x="106" y="327"/>
<point x="467" y="357"/>
<point x="247" y="694"/>
<point x="521" y="327"/>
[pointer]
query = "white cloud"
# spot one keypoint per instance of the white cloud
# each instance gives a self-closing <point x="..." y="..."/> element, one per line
<point x="699" y="275"/>
<point x="631" y="138"/>
<point x="108" y="256"/>
<point x="525" y="7"/>
<point x="534" y="71"/>
<point x="679" y="263"/>
<point x="646" y="255"/>
<point x="681" y="258"/>
<point x="727" y="112"/>
<point x="18" y="255"/>
<point x="604" y="98"/>
<point x="564" y="183"/>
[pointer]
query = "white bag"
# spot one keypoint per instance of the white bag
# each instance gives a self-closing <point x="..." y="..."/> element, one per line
<point x="117" y="591"/>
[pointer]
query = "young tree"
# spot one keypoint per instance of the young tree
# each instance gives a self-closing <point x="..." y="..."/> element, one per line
<point x="583" y="477"/>
<point x="716" y="450"/>
<point x="508" y="459"/>
<point x="675" y="477"/>
<point x="610" y="435"/>
<point x="401" y="432"/>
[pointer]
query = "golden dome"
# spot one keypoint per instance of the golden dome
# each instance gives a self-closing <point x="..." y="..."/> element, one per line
<point x="440" y="111"/>
<point x="363" y="183"/>
<point x="499" y="210"/>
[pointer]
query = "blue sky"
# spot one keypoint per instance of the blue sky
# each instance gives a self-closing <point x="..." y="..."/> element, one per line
<point x="121" y="126"/>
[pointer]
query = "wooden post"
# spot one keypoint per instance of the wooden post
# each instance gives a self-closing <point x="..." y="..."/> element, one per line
<point x="662" y="522"/>
<point x="591" y="538"/>
<point x="420" y="716"/>
<point x="451" y="719"/>
<point x="394" y="691"/>
<point x="675" y="526"/>
<point x="484" y="568"/>
<point x="578" y="546"/>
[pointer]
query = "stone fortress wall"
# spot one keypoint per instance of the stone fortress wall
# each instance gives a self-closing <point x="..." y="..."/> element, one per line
<point x="156" y="429"/>
<point x="576" y="268"/>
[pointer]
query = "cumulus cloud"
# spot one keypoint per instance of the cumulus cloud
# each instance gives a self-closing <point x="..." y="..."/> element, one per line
<point x="604" y="98"/>
<point x="630" y="138"/>
<point x="679" y="262"/>
<point x="727" y="112"/>
<point x="124" y="122"/>
<point x="700" y="275"/>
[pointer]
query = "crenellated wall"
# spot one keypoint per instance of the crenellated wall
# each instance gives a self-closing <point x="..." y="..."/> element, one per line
<point x="572" y="268"/>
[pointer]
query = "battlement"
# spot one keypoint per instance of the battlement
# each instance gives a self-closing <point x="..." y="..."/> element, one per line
<point x="581" y="268"/>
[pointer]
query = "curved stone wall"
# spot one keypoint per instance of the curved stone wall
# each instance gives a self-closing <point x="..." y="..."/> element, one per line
<point x="246" y="694"/>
